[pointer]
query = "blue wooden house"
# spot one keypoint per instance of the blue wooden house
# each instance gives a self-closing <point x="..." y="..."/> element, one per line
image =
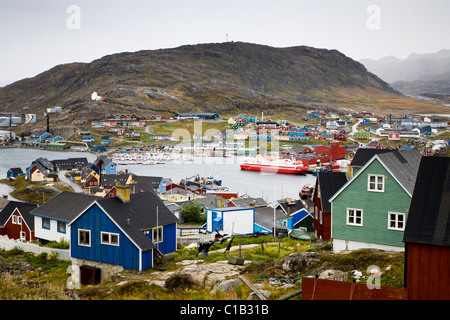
<point x="105" y="139"/>
<point x="129" y="231"/>
<point x="105" y="164"/>
<point x="88" y="138"/>
<point x="300" y="215"/>
<point x="14" y="172"/>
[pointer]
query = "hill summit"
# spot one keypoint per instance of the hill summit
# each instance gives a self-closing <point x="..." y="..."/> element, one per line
<point x="226" y="78"/>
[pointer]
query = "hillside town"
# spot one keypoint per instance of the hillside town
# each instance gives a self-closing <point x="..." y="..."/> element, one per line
<point x="374" y="179"/>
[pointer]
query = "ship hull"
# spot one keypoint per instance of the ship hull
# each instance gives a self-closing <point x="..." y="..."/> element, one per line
<point x="274" y="168"/>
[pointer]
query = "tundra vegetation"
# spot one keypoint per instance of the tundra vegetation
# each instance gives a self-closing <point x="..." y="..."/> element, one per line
<point x="24" y="276"/>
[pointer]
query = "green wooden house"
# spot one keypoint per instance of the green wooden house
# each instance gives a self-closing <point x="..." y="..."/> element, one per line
<point x="370" y="210"/>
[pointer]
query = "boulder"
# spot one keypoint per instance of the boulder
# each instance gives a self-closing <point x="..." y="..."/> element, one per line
<point x="300" y="262"/>
<point x="333" y="275"/>
<point x="254" y="296"/>
<point x="226" y="286"/>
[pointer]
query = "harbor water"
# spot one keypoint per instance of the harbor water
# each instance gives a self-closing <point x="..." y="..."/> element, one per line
<point x="268" y="186"/>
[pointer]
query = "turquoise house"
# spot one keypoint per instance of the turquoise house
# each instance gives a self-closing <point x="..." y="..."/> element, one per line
<point x="371" y="209"/>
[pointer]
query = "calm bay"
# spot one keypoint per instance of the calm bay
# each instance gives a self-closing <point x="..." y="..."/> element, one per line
<point x="269" y="186"/>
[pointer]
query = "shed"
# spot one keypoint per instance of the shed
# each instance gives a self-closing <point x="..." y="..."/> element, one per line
<point x="14" y="172"/>
<point x="231" y="220"/>
<point x="427" y="232"/>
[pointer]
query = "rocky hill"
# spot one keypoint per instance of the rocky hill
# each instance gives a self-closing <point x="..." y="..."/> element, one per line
<point x="227" y="78"/>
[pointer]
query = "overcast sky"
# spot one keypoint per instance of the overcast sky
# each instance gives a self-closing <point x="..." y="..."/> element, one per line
<point x="36" y="35"/>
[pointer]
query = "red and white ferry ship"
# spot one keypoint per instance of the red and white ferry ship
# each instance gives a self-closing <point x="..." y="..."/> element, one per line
<point x="272" y="164"/>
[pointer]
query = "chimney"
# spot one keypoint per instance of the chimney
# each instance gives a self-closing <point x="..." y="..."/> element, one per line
<point x="124" y="191"/>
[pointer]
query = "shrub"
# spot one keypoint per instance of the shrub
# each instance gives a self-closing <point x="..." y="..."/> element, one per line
<point x="180" y="282"/>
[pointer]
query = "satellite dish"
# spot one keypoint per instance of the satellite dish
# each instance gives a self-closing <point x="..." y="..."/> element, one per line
<point x="94" y="96"/>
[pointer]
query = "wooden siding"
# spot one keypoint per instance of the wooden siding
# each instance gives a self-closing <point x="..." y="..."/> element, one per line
<point x="322" y="289"/>
<point x="375" y="206"/>
<point x="12" y="230"/>
<point x="95" y="220"/>
<point x="169" y="243"/>
<point x="427" y="276"/>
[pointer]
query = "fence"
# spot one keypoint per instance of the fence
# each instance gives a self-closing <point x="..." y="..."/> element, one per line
<point x="9" y="244"/>
<point x="322" y="289"/>
<point x="183" y="232"/>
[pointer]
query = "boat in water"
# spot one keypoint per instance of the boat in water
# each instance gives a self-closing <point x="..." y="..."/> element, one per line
<point x="274" y="164"/>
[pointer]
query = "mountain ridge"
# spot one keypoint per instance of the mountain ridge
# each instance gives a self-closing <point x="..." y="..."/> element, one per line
<point x="227" y="78"/>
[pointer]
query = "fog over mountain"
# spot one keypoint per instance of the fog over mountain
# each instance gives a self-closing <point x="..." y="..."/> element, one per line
<point x="426" y="75"/>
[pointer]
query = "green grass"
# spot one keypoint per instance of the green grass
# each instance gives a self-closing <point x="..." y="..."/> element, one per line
<point x="33" y="192"/>
<point x="46" y="280"/>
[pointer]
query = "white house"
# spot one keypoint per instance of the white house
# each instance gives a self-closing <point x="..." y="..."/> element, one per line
<point x="51" y="219"/>
<point x="231" y="220"/>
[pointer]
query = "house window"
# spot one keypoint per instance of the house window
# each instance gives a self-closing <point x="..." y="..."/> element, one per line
<point x="16" y="220"/>
<point x="396" y="221"/>
<point x="46" y="223"/>
<point x="375" y="183"/>
<point x="110" y="238"/>
<point x="157" y="235"/>
<point x="23" y="236"/>
<point x="355" y="217"/>
<point x="61" y="227"/>
<point x="84" y="237"/>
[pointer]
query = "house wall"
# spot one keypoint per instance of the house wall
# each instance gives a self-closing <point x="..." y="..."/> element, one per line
<point x="239" y="221"/>
<point x="318" y="227"/>
<point x="36" y="175"/>
<point x="427" y="276"/>
<point x="169" y="243"/>
<point x="126" y="254"/>
<point x="375" y="206"/>
<point x="51" y="234"/>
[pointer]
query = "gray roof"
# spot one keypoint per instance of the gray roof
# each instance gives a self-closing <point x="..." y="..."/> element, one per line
<point x="138" y="215"/>
<point x="403" y="165"/>
<point x="428" y="217"/>
<point x="264" y="217"/>
<point x="64" y="206"/>
<point x="24" y="209"/>
<point x="329" y="183"/>
<point x="245" y="202"/>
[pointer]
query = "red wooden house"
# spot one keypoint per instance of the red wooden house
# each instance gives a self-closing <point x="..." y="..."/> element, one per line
<point x="327" y="184"/>
<point x="91" y="181"/>
<point x="334" y="150"/>
<point x="426" y="236"/>
<point x="16" y="222"/>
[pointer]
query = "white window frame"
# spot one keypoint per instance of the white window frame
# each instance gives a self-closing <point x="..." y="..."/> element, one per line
<point x="16" y="219"/>
<point x="109" y="241"/>
<point x="90" y="238"/>
<point x="355" y="210"/>
<point x="155" y="231"/>
<point x="23" y="236"/>
<point x="396" y="221"/>
<point x="376" y="176"/>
